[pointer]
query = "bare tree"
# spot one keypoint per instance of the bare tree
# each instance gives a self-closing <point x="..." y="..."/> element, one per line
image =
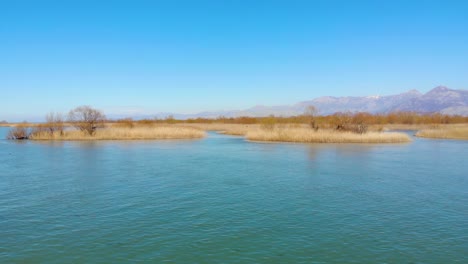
<point x="360" y="123"/>
<point x="311" y="112"/>
<point x="342" y="120"/>
<point x="348" y="121"/>
<point x="86" y="119"/>
<point x="54" y="122"/>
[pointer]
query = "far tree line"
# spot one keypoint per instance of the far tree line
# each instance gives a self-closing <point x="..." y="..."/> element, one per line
<point x="88" y="119"/>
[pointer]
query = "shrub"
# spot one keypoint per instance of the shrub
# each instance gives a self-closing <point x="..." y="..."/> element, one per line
<point x="359" y="123"/>
<point x="125" y="122"/>
<point x="268" y="123"/>
<point x="170" y="119"/>
<point x="352" y="123"/>
<point x="54" y="122"/>
<point x="146" y="122"/>
<point x="18" y="133"/>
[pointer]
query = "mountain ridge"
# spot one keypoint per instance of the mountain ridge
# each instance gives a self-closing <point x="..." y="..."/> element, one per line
<point x="440" y="99"/>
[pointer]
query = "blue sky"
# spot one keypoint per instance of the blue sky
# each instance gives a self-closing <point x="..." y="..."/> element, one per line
<point x="188" y="56"/>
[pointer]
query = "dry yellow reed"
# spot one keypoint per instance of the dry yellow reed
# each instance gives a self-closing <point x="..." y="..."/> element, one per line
<point x="118" y="133"/>
<point x="228" y="129"/>
<point x="447" y="133"/>
<point x="324" y="136"/>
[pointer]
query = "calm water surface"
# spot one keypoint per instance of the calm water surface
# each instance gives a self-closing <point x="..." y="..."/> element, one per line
<point x="222" y="199"/>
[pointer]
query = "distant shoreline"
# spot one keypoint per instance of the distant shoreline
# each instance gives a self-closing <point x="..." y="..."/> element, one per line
<point x="253" y="132"/>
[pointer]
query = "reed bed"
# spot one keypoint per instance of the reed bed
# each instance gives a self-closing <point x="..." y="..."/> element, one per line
<point x="120" y="133"/>
<point x="386" y="127"/>
<point x="228" y="129"/>
<point x="304" y="135"/>
<point x="460" y="132"/>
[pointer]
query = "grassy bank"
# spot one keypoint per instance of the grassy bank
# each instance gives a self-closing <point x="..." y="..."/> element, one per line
<point x="116" y="133"/>
<point x="456" y="132"/>
<point x="323" y="136"/>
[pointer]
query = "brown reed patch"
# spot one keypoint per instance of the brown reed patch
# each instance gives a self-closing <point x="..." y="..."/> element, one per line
<point x="454" y="132"/>
<point x="122" y="133"/>
<point x="323" y="136"/>
<point x="228" y="129"/>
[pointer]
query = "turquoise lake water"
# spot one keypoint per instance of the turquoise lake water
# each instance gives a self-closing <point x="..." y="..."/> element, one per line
<point x="225" y="200"/>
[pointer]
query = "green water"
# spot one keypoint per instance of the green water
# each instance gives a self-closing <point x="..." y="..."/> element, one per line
<point x="225" y="200"/>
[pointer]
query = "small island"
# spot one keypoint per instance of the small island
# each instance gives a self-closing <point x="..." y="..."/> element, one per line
<point x="87" y="123"/>
<point x="452" y="132"/>
<point x="303" y="135"/>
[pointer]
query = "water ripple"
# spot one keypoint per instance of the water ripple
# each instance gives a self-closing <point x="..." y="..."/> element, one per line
<point x="228" y="200"/>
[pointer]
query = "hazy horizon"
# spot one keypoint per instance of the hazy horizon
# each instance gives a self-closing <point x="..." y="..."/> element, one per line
<point x="189" y="57"/>
<point x="135" y="112"/>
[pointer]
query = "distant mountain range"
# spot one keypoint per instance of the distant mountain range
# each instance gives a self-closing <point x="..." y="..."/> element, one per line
<point x="438" y="100"/>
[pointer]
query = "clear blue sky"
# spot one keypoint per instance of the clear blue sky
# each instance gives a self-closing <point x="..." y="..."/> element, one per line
<point x="190" y="56"/>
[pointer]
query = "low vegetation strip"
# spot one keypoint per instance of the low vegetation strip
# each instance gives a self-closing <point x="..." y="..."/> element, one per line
<point x="324" y="136"/>
<point x="113" y="133"/>
<point x="447" y="133"/>
<point x="227" y="129"/>
<point x="87" y="123"/>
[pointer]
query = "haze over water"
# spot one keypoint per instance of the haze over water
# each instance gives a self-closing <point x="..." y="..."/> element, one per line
<point x="223" y="199"/>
